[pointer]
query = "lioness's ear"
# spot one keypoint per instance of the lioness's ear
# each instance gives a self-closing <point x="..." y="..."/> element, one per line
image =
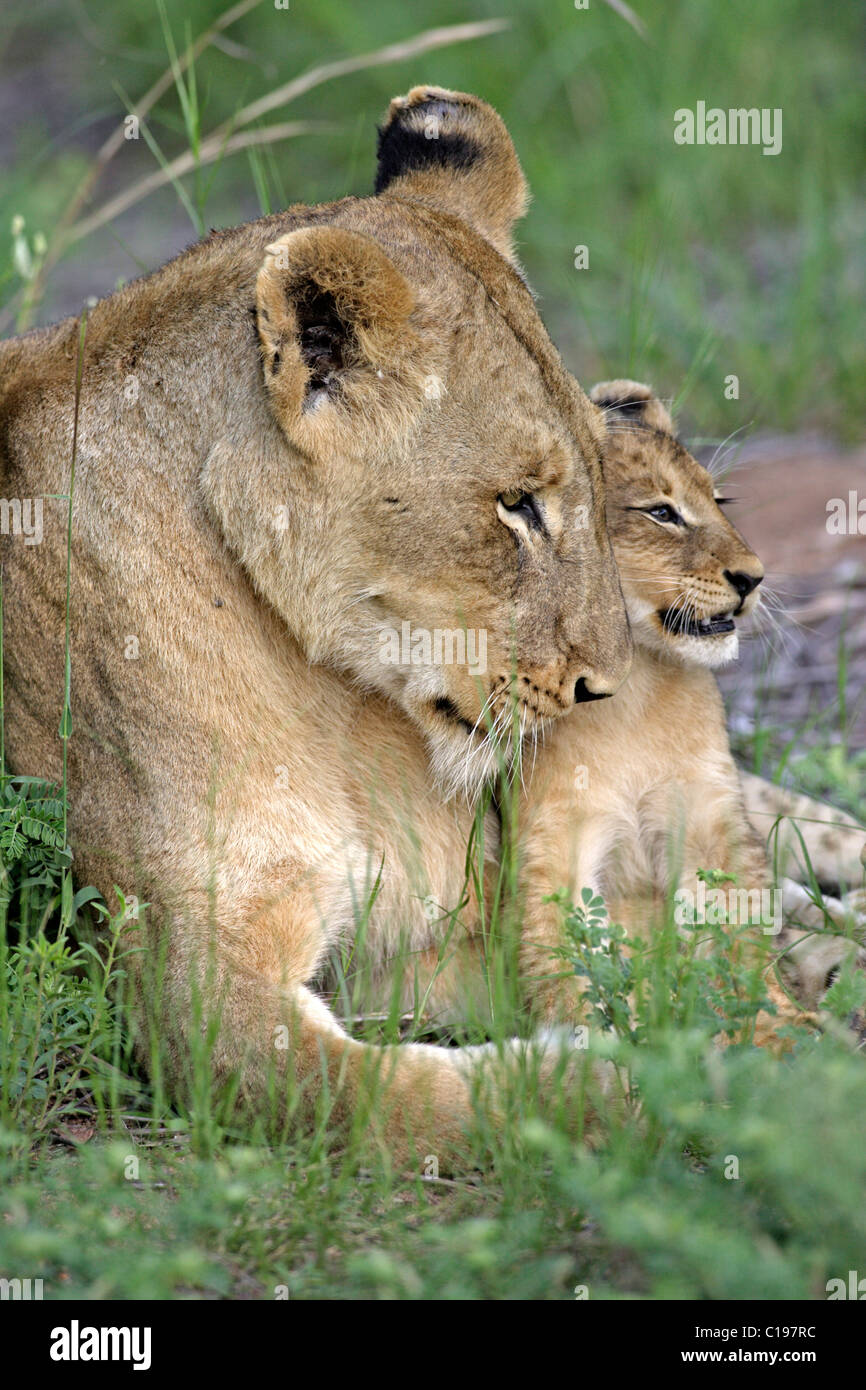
<point x="632" y="401"/>
<point x="453" y="150"/>
<point x="339" y="352"/>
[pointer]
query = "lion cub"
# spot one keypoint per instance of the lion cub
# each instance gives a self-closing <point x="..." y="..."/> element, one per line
<point x="631" y="796"/>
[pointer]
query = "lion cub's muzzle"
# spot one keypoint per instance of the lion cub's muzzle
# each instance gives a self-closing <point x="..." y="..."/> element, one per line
<point x="745" y="585"/>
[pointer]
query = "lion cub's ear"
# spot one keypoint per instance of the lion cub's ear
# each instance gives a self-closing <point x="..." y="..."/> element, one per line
<point x="632" y="401"/>
<point x="339" y="352"/>
<point x="453" y="151"/>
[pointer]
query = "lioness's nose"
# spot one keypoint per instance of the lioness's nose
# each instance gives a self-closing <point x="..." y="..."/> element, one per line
<point x="582" y="692"/>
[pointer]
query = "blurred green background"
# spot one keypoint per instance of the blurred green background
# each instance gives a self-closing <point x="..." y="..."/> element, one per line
<point x="703" y="262"/>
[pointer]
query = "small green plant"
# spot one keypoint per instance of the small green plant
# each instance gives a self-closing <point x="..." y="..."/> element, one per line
<point x="33" y="850"/>
<point x="703" y="975"/>
<point x="596" y="951"/>
<point x="61" y="1020"/>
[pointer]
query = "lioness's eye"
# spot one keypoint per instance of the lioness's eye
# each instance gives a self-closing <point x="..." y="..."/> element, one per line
<point x="522" y="504"/>
<point x="665" y="513"/>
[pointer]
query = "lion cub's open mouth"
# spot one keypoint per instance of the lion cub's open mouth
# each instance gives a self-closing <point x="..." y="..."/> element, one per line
<point x="688" y="626"/>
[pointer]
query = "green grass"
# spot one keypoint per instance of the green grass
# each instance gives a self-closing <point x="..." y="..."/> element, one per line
<point x="699" y="266"/>
<point x="741" y="1176"/>
<point x="656" y="1219"/>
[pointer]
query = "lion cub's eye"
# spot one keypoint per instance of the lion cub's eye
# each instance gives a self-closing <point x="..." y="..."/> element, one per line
<point x="522" y="505"/>
<point x="664" y="513"/>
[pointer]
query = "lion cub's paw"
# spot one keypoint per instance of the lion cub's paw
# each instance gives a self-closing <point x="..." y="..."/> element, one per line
<point x="811" y="965"/>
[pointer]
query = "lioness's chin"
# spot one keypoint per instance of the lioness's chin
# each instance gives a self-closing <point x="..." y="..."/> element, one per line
<point x="462" y="764"/>
<point x="464" y="757"/>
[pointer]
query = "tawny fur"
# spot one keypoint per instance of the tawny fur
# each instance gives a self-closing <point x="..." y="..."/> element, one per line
<point x="292" y="439"/>
<point x="632" y="795"/>
<point x="489" y="192"/>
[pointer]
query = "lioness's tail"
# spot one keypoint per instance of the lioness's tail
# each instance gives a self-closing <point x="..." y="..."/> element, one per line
<point x="287" y="1054"/>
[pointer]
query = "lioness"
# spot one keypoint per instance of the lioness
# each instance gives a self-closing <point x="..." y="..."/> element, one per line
<point x="294" y="440"/>
<point x="631" y="798"/>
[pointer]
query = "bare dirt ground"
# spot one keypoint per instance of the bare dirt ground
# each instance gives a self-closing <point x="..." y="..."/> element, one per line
<point x="784" y="486"/>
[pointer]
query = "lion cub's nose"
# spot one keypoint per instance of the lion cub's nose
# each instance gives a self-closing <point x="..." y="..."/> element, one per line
<point x="743" y="583"/>
<point x="582" y="692"/>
